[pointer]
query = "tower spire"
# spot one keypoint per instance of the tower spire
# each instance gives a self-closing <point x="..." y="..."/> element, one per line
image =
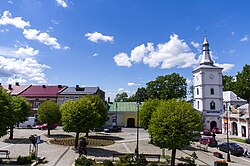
<point x="206" y="58"/>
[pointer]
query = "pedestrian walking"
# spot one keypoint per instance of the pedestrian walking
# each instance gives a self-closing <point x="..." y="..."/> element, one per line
<point x="213" y="135"/>
<point x="82" y="146"/>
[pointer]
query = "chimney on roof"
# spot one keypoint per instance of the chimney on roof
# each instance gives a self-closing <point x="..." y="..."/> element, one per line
<point x="59" y="86"/>
<point x="17" y="84"/>
<point x="44" y="86"/>
<point x="10" y="87"/>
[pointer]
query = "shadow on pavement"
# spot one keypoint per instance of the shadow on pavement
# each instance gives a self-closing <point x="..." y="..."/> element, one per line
<point x="98" y="152"/>
<point x="19" y="141"/>
<point x="59" y="136"/>
<point x="105" y="137"/>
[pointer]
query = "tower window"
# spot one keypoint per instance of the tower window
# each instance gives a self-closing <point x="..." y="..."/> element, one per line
<point x="198" y="105"/>
<point x="212" y="91"/>
<point x="197" y="91"/>
<point x="212" y="105"/>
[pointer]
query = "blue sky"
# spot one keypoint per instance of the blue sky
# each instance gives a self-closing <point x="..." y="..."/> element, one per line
<point x="119" y="45"/>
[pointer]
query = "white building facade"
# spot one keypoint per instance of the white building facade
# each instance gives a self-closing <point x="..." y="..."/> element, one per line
<point x="208" y="94"/>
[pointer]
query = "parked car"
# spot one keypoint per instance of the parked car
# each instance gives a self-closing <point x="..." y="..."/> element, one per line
<point x="216" y="130"/>
<point x="45" y="126"/>
<point x="197" y="136"/>
<point x="248" y="140"/>
<point x="234" y="148"/>
<point x="110" y="129"/>
<point x="98" y="129"/>
<point x="206" y="132"/>
<point x="209" y="140"/>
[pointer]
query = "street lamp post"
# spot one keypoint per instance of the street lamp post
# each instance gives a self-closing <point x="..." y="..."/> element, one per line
<point x="228" y="154"/>
<point x="137" y="127"/>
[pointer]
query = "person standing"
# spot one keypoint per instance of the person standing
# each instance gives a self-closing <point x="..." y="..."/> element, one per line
<point x="82" y="147"/>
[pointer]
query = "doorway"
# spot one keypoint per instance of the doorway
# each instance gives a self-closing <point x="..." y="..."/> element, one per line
<point x="243" y="130"/>
<point x="235" y="129"/>
<point x="213" y="124"/>
<point x="130" y="122"/>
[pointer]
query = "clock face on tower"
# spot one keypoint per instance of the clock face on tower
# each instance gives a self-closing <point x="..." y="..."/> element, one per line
<point x="211" y="76"/>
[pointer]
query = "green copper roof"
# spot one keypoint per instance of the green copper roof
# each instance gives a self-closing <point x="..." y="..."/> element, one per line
<point x="123" y="106"/>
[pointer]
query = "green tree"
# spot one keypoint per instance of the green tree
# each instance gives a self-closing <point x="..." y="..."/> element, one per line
<point x="21" y="110"/>
<point x="141" y="94"/>
<point x="228" y="83"/>
<point x="49" y="112"/>
<point x="172" y="125"/>
<point x="121" y="97"/>
<point x="167" y="87"/>
<point x="146" y="111"/>
<point x="83" y="115"/>
<point x="6" y="113"/>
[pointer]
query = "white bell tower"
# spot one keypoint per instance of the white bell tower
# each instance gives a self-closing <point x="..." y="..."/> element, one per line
<point x="208" y="94"/>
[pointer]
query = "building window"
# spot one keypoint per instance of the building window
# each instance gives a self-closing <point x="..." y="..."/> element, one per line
<point x="36" y="104"/>
<point x="76" y="97"/>
<point x="198" y="105"/>
<point x="212" y="105"/>
<point x="212" y="91"/>
<point x="197" y="91"/>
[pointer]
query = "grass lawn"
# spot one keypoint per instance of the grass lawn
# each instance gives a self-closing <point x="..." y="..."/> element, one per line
<point x="238" y="140"/>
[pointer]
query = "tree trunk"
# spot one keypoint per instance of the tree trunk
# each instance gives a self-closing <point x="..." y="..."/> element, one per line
<point x="11" y="132"/>
<point x="49" y="129"/>
<point x="76" y="140"/>
<point x="173" y="157"/>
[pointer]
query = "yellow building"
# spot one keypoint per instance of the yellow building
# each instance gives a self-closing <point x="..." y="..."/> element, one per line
<point x="123" y="114"/>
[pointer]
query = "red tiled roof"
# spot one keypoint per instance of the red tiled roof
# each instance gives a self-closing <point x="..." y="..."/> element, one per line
<point x="42" y="91"/>
<point x="15" y="89"/>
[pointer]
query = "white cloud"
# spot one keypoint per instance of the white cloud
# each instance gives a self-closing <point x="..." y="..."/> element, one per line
<point x="244" y="38"/>
<point x="232" y="33"/>
<point x="54" y="22"/>
<point x="66" y="48"/>
<point x="4" y="30"/>
<point x="10" y="1"/>
<point x="189" y="82"/>
<point x="122" y="59"/>
<point x="27" y="69"/>
<point x="27" y="51"/>
<point x="174" y="53"/>
<point x="62" y="3"/>
<point x="197" y="28"/>
<point x="133" y="84"/>
<point x="33" y="34"/>
<point x="120" y="89"/>
<point x="18" y="22"/>
<point x="14" y="79"/>
<point x="195" y="44"/>
<point x="96" y="36"/>
<point x="95" y="54"/>
<point x="226" y="67"/>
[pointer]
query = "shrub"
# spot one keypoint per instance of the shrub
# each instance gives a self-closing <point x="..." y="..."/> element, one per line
<point x="83" y="161"/>
<point x="107" y="163"/>
<point x="141" y="160"/>
<point x="23" y="160"/>
<point x="33" y="155"/>
<point x="1" y="161"/>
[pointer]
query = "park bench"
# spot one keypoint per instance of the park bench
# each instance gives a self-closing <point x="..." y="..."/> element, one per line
<point x="152" y="156"/>
<point x="202" y="146"/>
<point x="122" y="154"/>
<point x="5" y="152"/>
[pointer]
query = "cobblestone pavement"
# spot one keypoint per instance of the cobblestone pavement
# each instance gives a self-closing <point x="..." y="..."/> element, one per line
<point x="57" y="155"/>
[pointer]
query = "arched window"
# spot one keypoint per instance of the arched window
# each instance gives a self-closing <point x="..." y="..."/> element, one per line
<point x="212" y="91"/>
<point x="197" y="91"/>
<point x="212" y="105"/>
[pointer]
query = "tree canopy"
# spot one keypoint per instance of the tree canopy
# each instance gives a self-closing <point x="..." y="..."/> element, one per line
<point x="242" y="84"/>
<point x="49" y="112"/>
<point x="146" y="110"/>
<point x="121" y="97"/>
<point x="6" y="113"/>
<point x="172" y="125"/>
<point x="21" y="110"/>
<point x="83" y="115"/>
<point x="228" y="83"/>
